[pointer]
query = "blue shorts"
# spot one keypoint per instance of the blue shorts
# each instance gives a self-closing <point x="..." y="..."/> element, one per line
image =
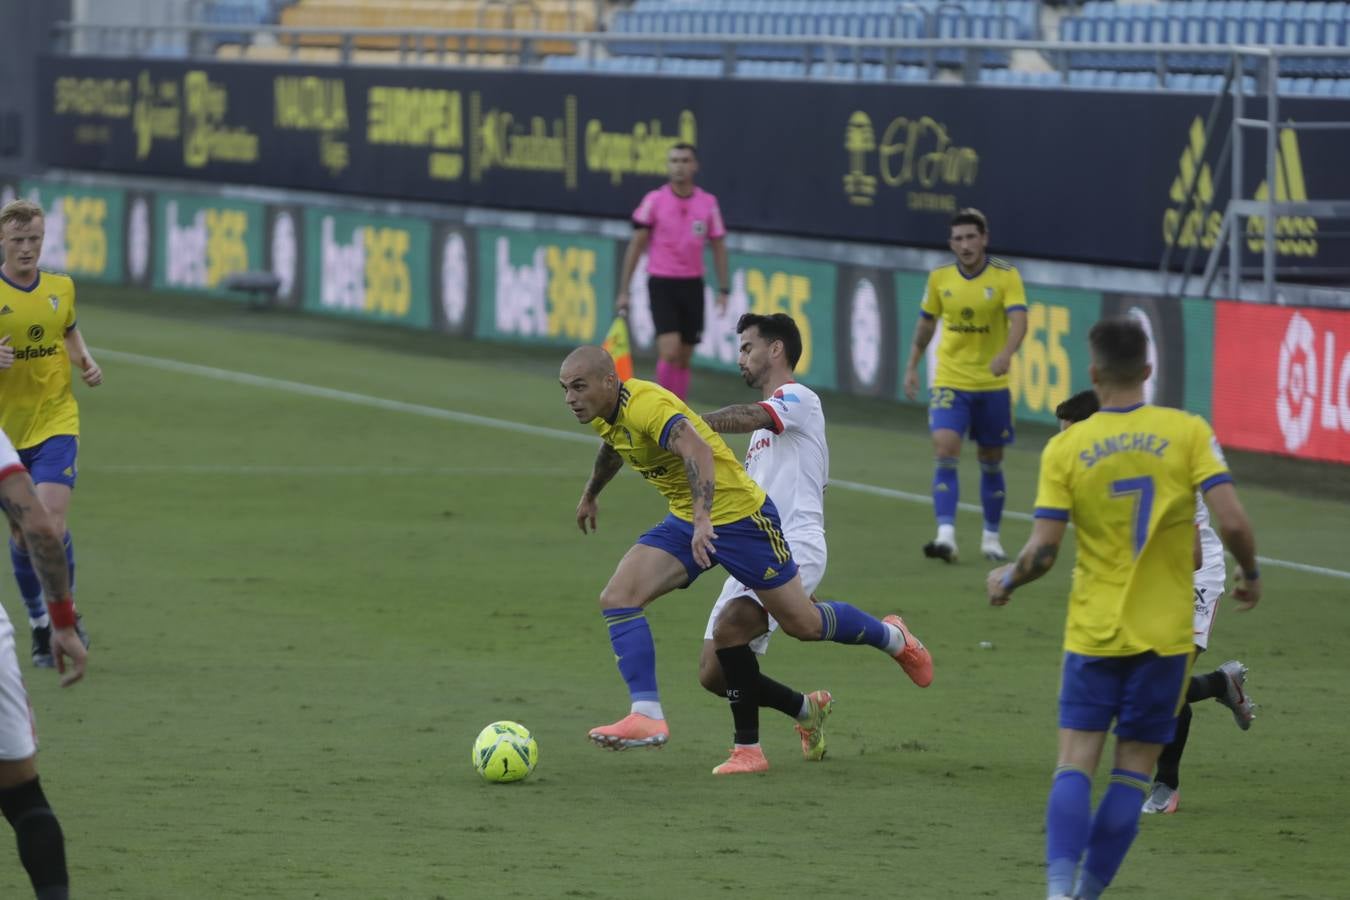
<point x="1143" y="693"/>
<point x="985" y="415"/>
<point x="752" y="549"/>
<point x="53" y="460"/>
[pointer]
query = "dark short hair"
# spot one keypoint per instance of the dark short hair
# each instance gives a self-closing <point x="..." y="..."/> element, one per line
<point x="970" y="216"/>
<point x="777" y="327"/>
<point x="1119" y="350"/>
<point x="685" y="145"/>
<point x="1078" y="407"/>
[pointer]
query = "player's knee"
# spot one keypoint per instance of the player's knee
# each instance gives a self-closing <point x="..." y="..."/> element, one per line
<point x="946" y="445"/>
<point x="710" y="673"/>
<point x="740" y="622"/>
<point x="612" y="599"/>
<point x="803" y="624"/>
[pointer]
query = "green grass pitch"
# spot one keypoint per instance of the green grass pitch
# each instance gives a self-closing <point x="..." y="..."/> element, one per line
<point x="304" y="607"/>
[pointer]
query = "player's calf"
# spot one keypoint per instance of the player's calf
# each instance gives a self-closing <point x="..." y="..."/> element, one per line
<point x="42" y="847"/>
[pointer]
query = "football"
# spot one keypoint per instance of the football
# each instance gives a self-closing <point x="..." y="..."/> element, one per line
<point x="505" y="752"/>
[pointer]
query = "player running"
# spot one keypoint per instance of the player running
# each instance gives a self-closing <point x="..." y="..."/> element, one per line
<point x="1127" y="477"/>
<point x="1227" y="683"/>
<point x="718" y="516"/>
<point x="790" y="459"/>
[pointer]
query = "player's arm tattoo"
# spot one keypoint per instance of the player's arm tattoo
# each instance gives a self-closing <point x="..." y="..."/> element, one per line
<point x="20" y="501"/>
<point x="608" y="462"/>
<point x="739" y="419"/>
<point x="1034" y="562"/>
<point x="698" y="466"/>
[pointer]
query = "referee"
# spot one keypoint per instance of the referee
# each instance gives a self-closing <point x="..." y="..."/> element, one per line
<point x="671" y="225"/>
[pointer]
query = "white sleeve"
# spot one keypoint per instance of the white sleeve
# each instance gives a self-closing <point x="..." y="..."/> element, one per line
<point x="792" y="407"/>
<point x="9" y="457"/>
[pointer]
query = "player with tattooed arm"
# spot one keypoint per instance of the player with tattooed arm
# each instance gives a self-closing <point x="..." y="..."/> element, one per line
<point x="718" y="516"/>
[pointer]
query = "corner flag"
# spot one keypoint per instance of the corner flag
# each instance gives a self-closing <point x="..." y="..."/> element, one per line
<point x="617" y="343"/>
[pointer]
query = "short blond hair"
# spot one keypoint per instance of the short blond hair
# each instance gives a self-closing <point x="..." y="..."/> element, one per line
<point x="20" y="212"/>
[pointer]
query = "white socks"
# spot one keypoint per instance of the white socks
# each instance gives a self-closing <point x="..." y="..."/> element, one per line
<point x="897" y="640"/>
<point x="649" y="708"/>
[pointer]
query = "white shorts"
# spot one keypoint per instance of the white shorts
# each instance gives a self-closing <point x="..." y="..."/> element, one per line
<point x="1207" y="597"/>
<point x="17" y="737"/>
<point x="810" y="558"/>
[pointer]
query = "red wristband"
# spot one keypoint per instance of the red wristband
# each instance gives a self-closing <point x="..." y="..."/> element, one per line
<point x="62" y="612"/>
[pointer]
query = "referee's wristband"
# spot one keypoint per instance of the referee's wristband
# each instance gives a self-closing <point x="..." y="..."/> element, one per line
<point x="1251" y="575"/>
<point x="1007" y="582"/>
<point x="62" y="612"/>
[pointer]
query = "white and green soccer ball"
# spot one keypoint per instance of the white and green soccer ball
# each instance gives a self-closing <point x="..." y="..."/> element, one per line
<point x="504" y="752"/>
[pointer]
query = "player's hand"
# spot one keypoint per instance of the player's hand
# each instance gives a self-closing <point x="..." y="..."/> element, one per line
<point x="702" y="543"/>
<point x="66" y="643"/>
<point x="6" y="353"/>
<point x="912" y="383"/>
<point x="998" y="594"/>
<point x="621" y="304"/>
<point x="90" y="372"/>
<point x="1247" y="593"/>
<point x="587" y="510"/>
<point x="723" y="297"/>
<point x="999" y="364"/>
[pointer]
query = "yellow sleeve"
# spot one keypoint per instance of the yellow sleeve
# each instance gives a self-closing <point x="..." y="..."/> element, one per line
<point x="1054" y="494"/>
<point x="1014" y="294"/>
<point x="652" y="413"/>
<point x="932" y="303"/>
<point x="1208" y="467"/>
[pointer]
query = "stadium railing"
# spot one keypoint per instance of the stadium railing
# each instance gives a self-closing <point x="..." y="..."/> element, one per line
<point x="1171" y="66"/>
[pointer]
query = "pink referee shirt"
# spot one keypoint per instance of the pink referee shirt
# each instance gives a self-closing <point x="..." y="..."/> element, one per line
<point x="679" y="227"/>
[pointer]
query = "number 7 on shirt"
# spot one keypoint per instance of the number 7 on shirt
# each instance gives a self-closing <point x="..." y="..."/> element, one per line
<point x="1141" y="489"/>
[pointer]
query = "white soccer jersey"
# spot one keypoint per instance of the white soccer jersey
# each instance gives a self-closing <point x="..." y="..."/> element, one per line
<point x="791" y="460"/>
<point x="1210" y="578"/>
<point x="1213" y="570"/>
<point x="17" y="739"/>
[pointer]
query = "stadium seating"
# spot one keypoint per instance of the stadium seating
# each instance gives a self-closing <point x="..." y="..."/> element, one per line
<point x="242" y="12"/>
<point x="417" y="15"/>
<point x="866" y="19"/>
<point x="1200" y="22"/>
<point x="667" y="27"/>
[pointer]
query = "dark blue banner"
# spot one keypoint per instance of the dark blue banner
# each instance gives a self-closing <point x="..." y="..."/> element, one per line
<point x="1068" y="175"/>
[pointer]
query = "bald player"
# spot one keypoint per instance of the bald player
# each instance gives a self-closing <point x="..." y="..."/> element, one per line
<point x="718" y="516"/>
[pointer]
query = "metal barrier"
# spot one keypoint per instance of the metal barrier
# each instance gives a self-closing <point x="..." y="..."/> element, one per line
<point x="1270" y="210"/>
<point x="414" y="45"/>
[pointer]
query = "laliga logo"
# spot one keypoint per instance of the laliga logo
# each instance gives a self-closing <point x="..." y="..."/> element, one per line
<point x="1296" y="396"/>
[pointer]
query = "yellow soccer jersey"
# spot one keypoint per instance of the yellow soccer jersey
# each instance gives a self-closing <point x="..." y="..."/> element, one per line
<point x="974" y="315"/>
<point x="1127" y="478"/>
<point x="639" y="431"/>
<point x="35" y="397"/>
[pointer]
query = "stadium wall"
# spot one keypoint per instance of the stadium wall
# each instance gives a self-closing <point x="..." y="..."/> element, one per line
<point x="1097" y="177"/>
<point x="1273" y="379"/>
